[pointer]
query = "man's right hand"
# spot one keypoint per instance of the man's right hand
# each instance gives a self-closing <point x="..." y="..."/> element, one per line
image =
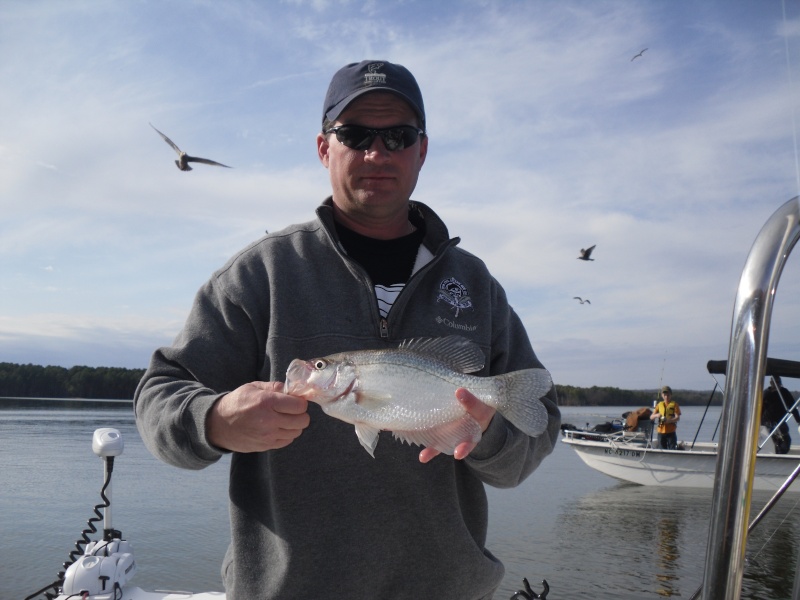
<point x="256" y="417"/>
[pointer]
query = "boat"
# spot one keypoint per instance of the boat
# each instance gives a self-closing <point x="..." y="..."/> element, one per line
<point x="634" y="457"/>
<point x="627" y="450"/>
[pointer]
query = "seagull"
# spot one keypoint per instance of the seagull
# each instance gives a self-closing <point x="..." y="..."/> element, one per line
<point x="184" y="159"/>
<point x="638" y="55"/>
<point x="581" y="300"/>
<point x="586" y="253"/>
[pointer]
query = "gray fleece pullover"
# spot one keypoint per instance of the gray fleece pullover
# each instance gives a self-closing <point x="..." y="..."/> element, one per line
<point x="321" y="518"/>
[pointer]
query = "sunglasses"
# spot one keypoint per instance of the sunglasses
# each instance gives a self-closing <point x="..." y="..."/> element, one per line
<point x="361" y="138"/>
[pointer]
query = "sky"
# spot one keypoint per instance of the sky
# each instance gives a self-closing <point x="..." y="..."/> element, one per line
<point x="546" y="136"/>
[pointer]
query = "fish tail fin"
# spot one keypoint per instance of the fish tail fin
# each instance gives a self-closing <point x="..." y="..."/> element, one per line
<point x="520" y="399"/>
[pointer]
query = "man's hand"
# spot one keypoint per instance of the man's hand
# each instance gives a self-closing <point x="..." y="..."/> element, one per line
<point x="481" y="412"/>
<point x="255" y="417"/>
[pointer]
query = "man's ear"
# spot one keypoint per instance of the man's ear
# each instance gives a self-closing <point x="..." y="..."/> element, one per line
<point x="423" y="150"/>
<point x="323" y="146"/>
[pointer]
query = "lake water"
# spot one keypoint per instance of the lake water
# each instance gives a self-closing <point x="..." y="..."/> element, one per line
<point x="586" y="534"/>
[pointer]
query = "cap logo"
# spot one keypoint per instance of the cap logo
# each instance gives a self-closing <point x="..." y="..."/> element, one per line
<point x="372" y="77"/>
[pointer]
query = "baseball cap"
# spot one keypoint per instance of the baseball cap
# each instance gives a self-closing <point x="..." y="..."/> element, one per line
<point x="355" y="79"/>
<point x="667" y="389"/>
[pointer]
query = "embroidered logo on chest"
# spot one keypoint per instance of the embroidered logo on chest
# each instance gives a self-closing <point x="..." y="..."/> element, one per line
<point x="455" y="294"/>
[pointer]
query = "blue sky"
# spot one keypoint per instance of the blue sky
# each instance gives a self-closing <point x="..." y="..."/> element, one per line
<point x="545" y="137"/>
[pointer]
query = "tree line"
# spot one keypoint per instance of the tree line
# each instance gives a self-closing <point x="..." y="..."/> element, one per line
<point x="35" y="381"/>
<point x="114" y="383"/>
<point x="610" y="396"/>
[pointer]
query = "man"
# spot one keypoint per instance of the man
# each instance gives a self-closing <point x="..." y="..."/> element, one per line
<point x="312" y="514"/>
<point x="775" y="403"/>
<point x="667" y="413"/>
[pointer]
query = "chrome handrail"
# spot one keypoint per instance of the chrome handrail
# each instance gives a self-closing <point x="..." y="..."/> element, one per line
<point x="741" y="412"/>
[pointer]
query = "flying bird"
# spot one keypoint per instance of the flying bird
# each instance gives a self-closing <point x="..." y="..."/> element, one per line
<point x="638" y="55"/>
<point x="581" y="300"/>
<point x="586" y="253"/>
<point x="184" y="159"/>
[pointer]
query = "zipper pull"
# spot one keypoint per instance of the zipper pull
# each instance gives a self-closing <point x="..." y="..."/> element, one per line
<point x="384" y="326"/>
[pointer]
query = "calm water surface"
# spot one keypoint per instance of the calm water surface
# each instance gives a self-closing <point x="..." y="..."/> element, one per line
<point x="588" y="535"/>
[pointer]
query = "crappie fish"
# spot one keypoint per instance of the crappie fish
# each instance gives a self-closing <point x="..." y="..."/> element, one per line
<point x="410" y="391"/>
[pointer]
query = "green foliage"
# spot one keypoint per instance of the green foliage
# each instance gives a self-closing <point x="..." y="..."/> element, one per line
<point x="34" y="381"/>
<point x="610" y="396"/>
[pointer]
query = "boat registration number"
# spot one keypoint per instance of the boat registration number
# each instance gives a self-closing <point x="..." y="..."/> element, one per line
<point x="623" y="452"/>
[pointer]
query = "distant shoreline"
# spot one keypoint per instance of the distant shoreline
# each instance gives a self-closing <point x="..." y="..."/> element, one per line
<point x="7" y="402"/>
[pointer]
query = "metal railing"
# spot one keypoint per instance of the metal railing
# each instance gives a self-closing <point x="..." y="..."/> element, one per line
<point x="747" y="356"/>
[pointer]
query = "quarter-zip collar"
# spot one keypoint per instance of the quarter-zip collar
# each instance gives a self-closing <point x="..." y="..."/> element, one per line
<point x="433" y="247"/>
<point x="436" y="240"/>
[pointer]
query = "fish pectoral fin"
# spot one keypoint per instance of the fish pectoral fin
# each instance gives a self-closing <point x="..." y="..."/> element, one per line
<point x="368" y="436"/>
<point x="372" y="399"/>
<point x="445" y="437"/>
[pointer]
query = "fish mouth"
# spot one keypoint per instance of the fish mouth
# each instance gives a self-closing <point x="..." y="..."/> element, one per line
<point x="297" y="384"/>
<point x="294" y="379"/>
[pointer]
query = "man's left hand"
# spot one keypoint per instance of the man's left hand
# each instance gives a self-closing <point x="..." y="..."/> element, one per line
<point x="481" y="412"/>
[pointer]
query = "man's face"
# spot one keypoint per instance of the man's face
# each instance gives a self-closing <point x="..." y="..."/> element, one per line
<point x="374" y="185"/>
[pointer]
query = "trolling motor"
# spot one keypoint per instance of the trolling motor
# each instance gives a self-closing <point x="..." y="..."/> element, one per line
<point x="106" y="565"/>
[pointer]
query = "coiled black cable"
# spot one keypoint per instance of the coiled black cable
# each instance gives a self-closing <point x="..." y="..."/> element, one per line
<point x="83" y="541"/>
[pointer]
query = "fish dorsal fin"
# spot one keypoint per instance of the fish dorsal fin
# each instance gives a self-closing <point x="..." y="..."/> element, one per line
<point x="368" y="436"/>
<point x="455" y="351"/>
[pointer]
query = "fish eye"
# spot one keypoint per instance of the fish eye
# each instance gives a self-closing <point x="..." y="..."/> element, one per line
<point x="320" y="364"/>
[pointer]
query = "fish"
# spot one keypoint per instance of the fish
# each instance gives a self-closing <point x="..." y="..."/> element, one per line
<point x="410" y="391"/>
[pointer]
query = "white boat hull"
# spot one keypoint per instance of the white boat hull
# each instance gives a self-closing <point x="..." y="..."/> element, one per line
<point x="636" y="462"/>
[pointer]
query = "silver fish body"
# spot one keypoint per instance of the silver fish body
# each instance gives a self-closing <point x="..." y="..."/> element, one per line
<point x="410" y="391"/>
